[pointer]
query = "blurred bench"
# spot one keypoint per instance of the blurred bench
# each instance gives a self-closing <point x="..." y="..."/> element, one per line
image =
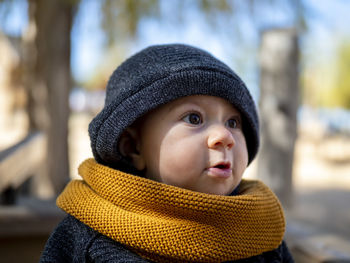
<point x="25" y="221"/>
<point x="19" y="163"/>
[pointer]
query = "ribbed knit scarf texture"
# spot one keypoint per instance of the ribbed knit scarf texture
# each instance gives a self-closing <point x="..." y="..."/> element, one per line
<point x="168" y="224"/>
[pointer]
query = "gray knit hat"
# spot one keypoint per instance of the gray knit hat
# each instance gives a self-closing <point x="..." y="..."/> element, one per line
<point x="158" y="75"/>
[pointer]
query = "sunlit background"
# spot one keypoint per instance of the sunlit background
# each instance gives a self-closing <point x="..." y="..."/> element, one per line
<point x="104" y="33"/>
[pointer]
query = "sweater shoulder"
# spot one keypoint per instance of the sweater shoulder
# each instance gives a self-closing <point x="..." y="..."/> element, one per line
<point x="73" y="241"/>
<point x="104" y="250"/>
<point x="69" y="242"/>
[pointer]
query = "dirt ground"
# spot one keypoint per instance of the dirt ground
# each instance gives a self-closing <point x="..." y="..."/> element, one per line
<point x="322" y="183"/>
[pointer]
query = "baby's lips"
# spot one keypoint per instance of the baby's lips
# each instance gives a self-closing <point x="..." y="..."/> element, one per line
<point x="220" y="172"/>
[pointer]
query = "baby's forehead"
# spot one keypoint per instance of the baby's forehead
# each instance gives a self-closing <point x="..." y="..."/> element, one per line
<point x="201" y="101"/>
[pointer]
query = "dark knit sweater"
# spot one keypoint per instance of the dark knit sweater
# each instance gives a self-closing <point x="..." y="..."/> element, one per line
<point x="73" y="241"/>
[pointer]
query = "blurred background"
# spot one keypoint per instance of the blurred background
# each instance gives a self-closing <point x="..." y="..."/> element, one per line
<point x="294" y="55"/>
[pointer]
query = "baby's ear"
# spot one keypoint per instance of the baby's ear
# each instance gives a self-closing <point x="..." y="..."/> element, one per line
<point x="129" y="147"/>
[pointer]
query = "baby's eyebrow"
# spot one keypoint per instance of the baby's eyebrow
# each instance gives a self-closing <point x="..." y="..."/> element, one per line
<point x="237" y="115"/>
<point x="179" y="104"/>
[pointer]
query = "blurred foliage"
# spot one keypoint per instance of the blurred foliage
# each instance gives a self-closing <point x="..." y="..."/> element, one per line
<point x="341" y="91"/>
<point x="121" y="20"/>
<point x="327" y="84"/>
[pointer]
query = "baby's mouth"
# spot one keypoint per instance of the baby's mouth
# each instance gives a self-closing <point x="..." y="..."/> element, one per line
<point x="221" y="170"/>
<point x="223" y="166"/>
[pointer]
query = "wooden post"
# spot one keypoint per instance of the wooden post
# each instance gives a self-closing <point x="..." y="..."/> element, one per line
<point x="279" y="101"/>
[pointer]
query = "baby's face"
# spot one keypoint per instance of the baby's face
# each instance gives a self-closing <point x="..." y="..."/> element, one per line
<point x="196" y="143"/>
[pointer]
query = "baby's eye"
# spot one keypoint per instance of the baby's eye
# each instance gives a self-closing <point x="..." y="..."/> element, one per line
<point x="193" y="118"/>
<point x="232" y="123"/>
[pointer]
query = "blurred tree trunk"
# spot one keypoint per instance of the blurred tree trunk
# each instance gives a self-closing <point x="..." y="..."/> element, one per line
<point x="49" y="81"/>
<point x="32" y="80"/>
<point x="279" y="102"/>
<point x="54" y="23"/>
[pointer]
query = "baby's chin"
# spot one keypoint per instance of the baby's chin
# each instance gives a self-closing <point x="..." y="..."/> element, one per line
<point x="205" y="184"/>
<point x="224" y="191"/>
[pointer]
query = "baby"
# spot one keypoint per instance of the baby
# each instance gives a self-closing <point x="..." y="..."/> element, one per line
<point x="170" y="146"/>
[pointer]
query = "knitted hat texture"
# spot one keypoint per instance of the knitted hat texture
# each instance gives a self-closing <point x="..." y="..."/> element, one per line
<point x="160" y="74"/>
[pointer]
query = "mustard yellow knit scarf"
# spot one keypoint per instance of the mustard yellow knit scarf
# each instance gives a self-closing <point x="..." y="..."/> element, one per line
<point x="168" y="224"/>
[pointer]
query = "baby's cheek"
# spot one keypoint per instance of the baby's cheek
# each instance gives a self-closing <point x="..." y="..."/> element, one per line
<point x="174" y="159"/>
<point x="240" y="149"/>
<point x="244" y="155"/>
<point x="178" y="160"/>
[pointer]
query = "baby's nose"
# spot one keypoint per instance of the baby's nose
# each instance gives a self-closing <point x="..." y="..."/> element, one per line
<point x="220" y="136"/>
